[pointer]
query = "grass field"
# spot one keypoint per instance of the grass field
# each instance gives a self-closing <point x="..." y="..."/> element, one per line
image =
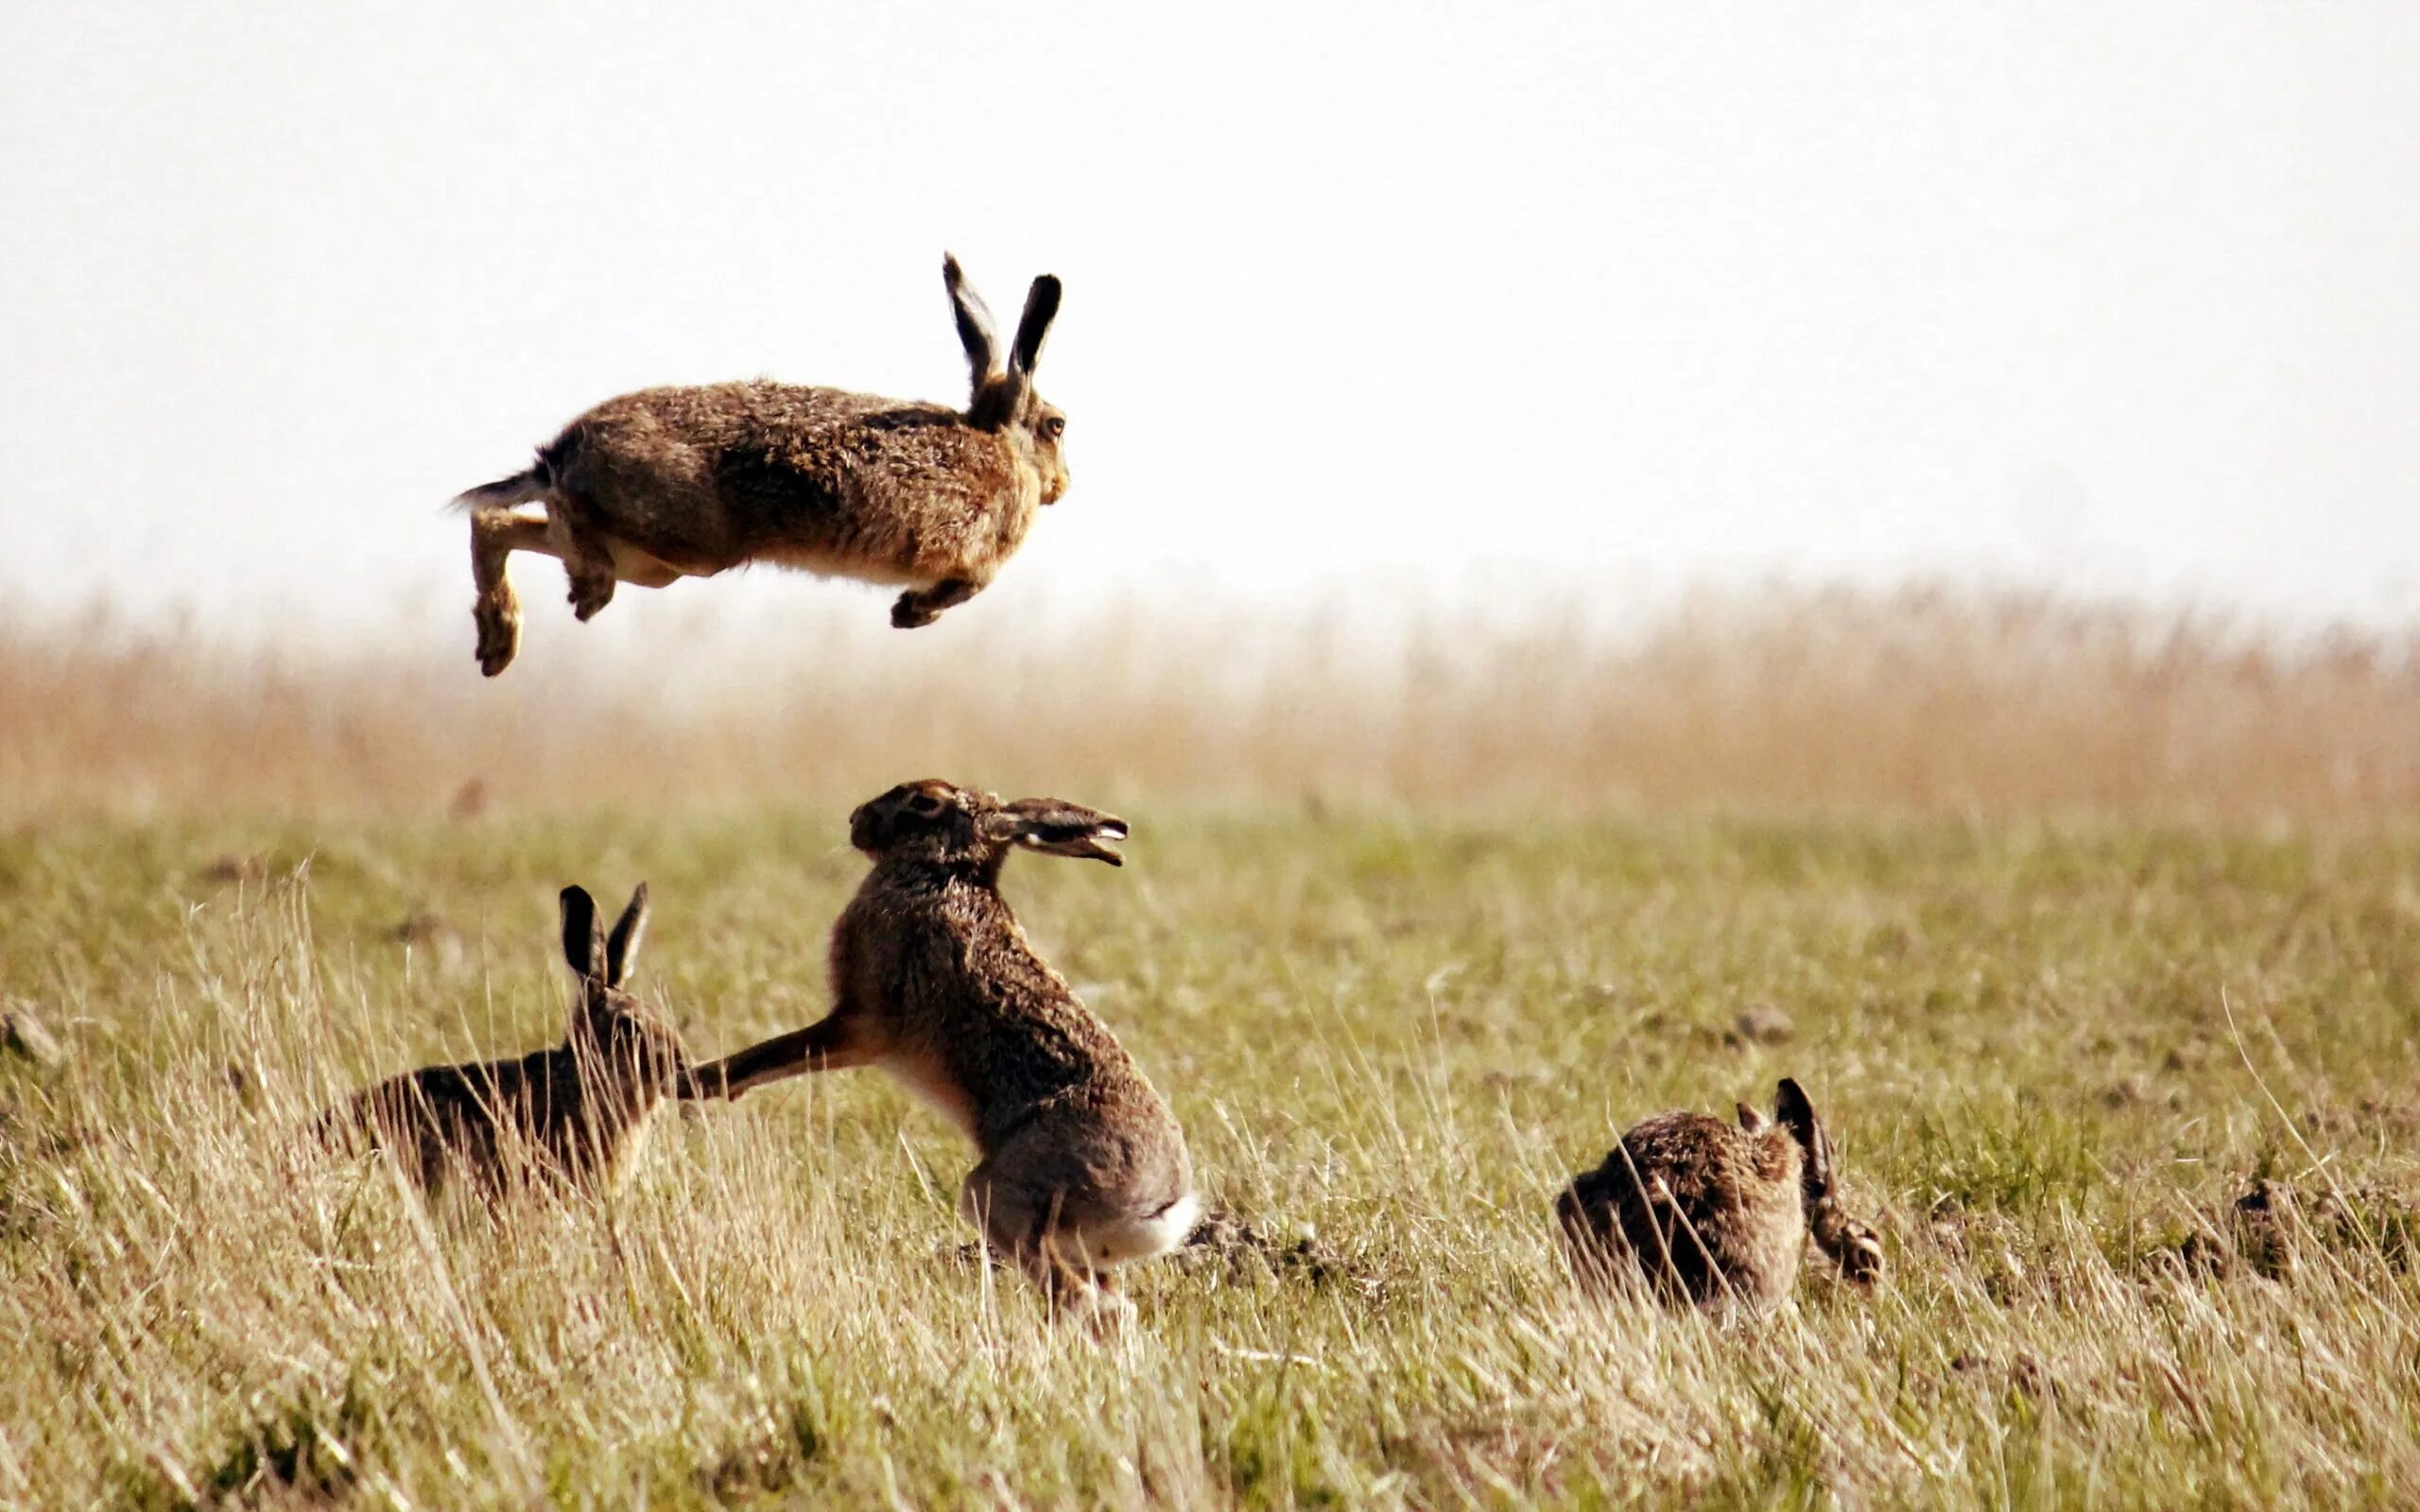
<point x="1390" y="1040"/>
<point x="1923" y="699"/>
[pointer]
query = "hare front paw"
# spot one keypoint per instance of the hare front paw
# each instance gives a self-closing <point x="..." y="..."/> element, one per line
<point x="590" y="593"/>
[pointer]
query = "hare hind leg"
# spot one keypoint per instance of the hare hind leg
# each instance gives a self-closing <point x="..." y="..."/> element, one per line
<point x="1021" y="1226"/>
<point x="496" y="534"/>
<point x="595" y="560"/>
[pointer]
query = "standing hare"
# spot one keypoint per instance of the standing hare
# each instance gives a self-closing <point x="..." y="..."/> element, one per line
<point x="670" y="483"/>
<point x="573" y="1114"/>
<point x="1083" y="1167"/>
<point x="1705" y="1210"/>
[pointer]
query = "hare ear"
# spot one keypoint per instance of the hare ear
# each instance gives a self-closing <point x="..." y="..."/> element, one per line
<point x="1752" y="1121"/>
<point x="974" y="321"/>
<point x="583" y="934"/>
<point x="622" y="946"/>
<point x="1041" y="308"/>
<point x="1798" y="1115"/>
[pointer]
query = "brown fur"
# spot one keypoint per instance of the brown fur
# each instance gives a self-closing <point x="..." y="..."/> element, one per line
<point x="671" y="483"/>
<point x="1704" y="1212"/>
<point x="1083" y="1167"/>
<point x="572" y="1115"/>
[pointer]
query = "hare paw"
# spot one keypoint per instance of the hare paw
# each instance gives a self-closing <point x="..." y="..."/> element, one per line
<point x="1103" y="1311"/>
<point x="499" y="638"/>
<point x="589" y="594"/>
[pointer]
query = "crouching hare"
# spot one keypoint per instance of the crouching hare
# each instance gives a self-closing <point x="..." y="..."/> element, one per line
<point x="671" y="483"/>
<point x="1083" y="1167"/>
<point x="575" y="1114"/>
<point x="1703" y="1212"/>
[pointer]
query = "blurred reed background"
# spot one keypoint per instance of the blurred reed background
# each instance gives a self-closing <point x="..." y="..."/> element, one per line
<point x="1924" y="700"/>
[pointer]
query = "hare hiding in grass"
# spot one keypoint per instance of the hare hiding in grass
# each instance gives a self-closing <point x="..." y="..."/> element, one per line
<point x="1703" y="1210"/>
<point x="670" y="483"/>
<point x="1083" y="1167"/>
<point x="574" y="1114"/>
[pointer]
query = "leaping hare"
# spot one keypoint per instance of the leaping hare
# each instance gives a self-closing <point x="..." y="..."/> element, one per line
<point x="670" y="483"/>
<point x="1704" y="1210"/>
<point x="575" y="1113"/>
<point x="1083" y="1167"/>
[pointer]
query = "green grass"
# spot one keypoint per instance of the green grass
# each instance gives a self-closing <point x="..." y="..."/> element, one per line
<point x="1390" y="1041"/>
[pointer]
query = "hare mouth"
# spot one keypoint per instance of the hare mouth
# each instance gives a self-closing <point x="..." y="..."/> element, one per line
<point x="1091" y="842"/>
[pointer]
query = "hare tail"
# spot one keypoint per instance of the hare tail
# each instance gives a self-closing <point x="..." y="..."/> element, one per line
<point x="522" y="488"/>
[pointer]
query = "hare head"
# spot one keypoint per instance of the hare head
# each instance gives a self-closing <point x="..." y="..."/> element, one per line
<point x="607" y="1019"/>
<point x="943" y="824"/>
<point x="1852" y="1246"/>
<point x="1003" y="399"/>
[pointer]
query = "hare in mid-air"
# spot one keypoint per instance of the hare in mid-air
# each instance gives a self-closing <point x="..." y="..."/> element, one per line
<point x="670" y="483"/>
<point x="1083" y="1167"/>
<point x="1703" y="1212"/>
<point x="575" y="1114"/>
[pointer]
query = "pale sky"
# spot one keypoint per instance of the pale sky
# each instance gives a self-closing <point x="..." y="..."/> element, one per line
<point x="2121" y="297"/>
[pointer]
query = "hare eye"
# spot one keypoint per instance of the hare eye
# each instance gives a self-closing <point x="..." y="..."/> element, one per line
<point x="1054" y="427"/>
<point x="924" y="803"/>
